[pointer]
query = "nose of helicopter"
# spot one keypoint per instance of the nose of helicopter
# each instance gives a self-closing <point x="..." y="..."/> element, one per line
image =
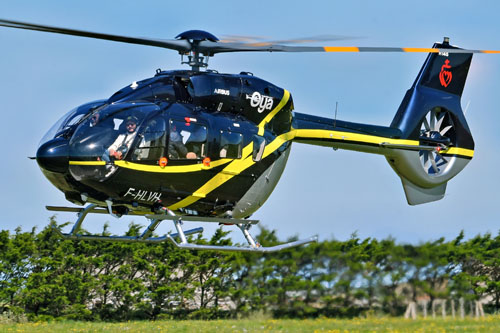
<point x="53" y="155"/>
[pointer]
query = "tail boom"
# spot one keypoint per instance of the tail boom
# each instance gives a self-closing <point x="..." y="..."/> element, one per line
<point x="338" y="134"/>
<point x="428" y="142"/>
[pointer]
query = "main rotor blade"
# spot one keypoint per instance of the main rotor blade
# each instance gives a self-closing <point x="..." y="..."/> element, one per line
<point x="265" y="41"/>
<point x="179" y="45"/>
<point x="210" y="48"/>
<point x="213" y="47"/>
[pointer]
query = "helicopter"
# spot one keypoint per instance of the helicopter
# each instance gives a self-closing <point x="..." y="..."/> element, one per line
<point x="199" y="145"/>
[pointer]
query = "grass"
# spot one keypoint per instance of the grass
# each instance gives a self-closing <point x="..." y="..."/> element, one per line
<point x="487" y="324"/>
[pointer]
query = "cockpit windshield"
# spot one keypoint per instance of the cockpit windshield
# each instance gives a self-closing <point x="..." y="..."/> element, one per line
<point x="70" y="119"/>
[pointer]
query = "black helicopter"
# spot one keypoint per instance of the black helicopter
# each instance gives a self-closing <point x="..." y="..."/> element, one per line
<point x="198" y="145"/>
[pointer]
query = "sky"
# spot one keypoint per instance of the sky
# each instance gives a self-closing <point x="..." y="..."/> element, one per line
<point x="330" y="193"/>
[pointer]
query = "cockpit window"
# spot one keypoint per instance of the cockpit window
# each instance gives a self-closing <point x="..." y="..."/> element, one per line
<point x="151" y="145"/>
<point x="106" y="136"/>
<point x="111" y="130"/>
<point x="187" y="140"/>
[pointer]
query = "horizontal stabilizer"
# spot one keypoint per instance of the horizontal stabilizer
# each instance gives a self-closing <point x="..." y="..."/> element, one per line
<point x="416" y="195"/>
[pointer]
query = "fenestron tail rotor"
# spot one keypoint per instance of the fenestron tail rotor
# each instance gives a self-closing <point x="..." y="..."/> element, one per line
<point x="437" y="127"/>
<point x="199" y="43"/>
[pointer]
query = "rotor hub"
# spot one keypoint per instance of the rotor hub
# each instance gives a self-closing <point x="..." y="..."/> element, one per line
<point x="197" y="35"/>
<point x="194" y="58"/>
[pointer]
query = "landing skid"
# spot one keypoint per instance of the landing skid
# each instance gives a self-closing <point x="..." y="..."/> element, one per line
<point x="179" y="238"/>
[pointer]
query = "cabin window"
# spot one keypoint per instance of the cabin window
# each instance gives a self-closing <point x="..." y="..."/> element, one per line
<point x="164" y="90"/>
<point x="187" y="139"/>
<point x="230" y="144"/>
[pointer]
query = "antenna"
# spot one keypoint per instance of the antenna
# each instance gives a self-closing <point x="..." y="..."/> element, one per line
<point x="336" y="108"/>
<point x="335" y="120"/>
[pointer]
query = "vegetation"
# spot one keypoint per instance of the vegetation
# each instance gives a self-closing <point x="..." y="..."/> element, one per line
<point x="43" y="277"/>
<point x="330" y="325"/>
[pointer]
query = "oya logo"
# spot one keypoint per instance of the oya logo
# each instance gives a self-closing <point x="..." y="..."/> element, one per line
<point x="261" y="102"/>
<point x="445" y="75"/>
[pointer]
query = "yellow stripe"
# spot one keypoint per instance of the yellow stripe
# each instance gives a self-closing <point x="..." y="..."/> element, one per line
<point x="459" y="151"/>
<point x="420" y="49"/>
<point x="172" y="169"/>
<point x="341" y="49"/>
<point x="87" y="163"/>
<point x="168" y="169"/>
<point x="363" y="138"/>
<point x="270" y="116"/>
<point x="157" y="168"/>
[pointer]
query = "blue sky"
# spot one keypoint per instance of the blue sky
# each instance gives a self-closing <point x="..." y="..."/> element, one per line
<point x="325" y="192"/>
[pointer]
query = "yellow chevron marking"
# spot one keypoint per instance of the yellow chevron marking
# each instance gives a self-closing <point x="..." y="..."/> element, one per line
<point x="238" y="166"/>
<point x="270" y="116"/>
<point x="233" y="169"/>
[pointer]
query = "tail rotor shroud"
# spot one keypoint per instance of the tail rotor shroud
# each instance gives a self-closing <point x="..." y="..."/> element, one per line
<point x="437" y="125"/>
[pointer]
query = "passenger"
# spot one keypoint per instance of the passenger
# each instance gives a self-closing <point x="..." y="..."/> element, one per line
<point x="176" y="148"/>
<point x="122" y="144"/>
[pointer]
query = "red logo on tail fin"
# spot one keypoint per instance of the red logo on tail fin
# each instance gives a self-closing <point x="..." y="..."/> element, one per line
<point x="445" y="76"/>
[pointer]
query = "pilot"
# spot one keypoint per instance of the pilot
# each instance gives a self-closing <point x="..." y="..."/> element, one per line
<point x="122" y="143"/>
<point x="94" y="120"/>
